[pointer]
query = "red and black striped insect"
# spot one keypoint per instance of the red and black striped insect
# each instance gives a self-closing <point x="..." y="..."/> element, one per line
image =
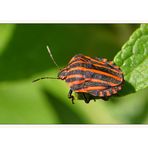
<point x="95" y="76"/>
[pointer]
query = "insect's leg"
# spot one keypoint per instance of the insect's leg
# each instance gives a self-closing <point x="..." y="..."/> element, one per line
<point x="117" y="95"/>
<point x="105" y="98"/>
<point x="70" y="93"/>
<point x="86" y="99"/>
<point x="70" y="96"/>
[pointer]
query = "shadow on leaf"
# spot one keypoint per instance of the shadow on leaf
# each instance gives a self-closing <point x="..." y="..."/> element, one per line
<point x="126" y="89"/>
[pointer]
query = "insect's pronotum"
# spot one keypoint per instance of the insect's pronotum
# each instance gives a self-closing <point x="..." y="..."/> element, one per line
<point x="94" y="76"/>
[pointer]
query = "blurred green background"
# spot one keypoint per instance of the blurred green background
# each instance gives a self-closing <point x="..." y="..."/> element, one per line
<point x="23" y="57"/>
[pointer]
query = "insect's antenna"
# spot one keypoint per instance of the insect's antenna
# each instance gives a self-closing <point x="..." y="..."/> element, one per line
<point x="49" y="51"/>
<point x="43" y="78"/>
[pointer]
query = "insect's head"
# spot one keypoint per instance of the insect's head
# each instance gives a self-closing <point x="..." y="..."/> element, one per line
<point x="63" y="73"/>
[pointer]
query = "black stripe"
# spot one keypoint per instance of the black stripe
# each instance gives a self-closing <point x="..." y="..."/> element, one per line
<point x="110" y="90"/>
<point x="86" y="85"/>
<point x="91" y="66"/>
<point x="104" y="93"/>
<point x="93" y="62"/>
<point x="74" y="79"/>
<point x="77" y="86"/>
<point x="89" y="74"/>
<point x="93" y="92"/>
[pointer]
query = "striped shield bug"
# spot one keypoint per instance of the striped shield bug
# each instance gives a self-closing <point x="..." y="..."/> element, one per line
<point x="96" y="77"/>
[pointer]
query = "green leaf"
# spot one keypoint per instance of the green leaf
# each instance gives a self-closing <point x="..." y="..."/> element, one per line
<point x="133" y="60"/>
